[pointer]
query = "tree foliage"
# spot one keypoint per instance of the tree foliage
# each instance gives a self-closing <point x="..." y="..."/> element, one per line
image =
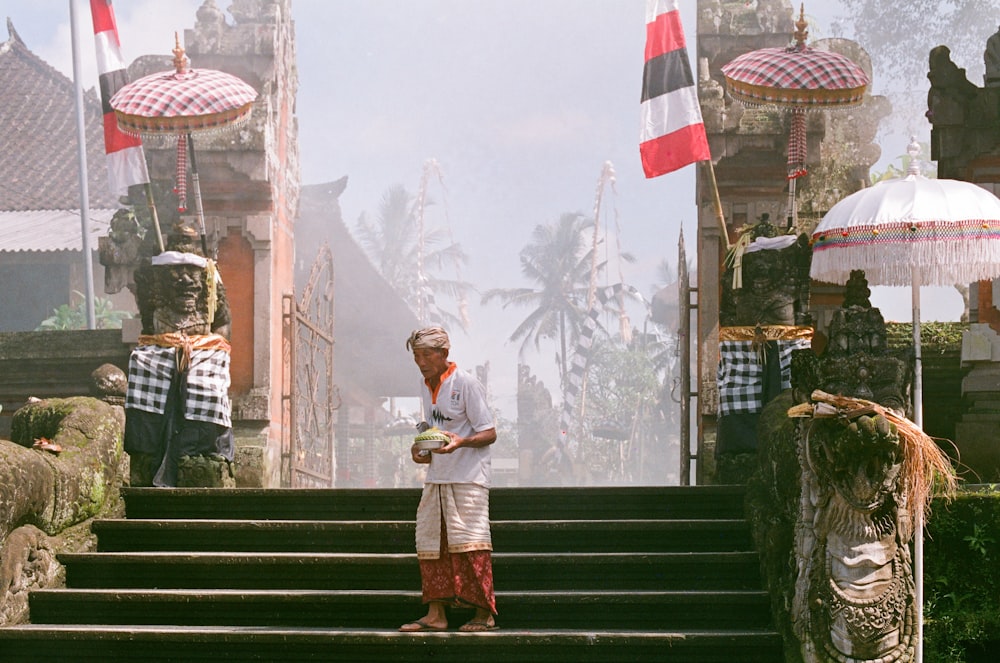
<point x="392" y="240"/>
<point x="899" y="34"/>
<point x="558" y="263"/>
<point x="625" y="417"/>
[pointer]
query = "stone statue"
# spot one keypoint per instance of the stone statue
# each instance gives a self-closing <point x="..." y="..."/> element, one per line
<point x="178" y="413"/>
<point x="951" y="92"/>
<point x="765" y="295"/>
<point x="991" y="60"/>
<point x="119" y="251"/>
<point x="842" y="473"/>
<point x="854" y="591"/>
<point x="857" y="361"/>
<point x="177" y="297"/>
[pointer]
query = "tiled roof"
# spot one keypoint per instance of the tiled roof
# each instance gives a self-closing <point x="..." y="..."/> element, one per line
<point x="38" y="142"/>
<point x="50" y="230"/>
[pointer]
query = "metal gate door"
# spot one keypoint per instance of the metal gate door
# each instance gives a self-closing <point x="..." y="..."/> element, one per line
<point x="684" y="291"/>
<point x="309" y="396"/>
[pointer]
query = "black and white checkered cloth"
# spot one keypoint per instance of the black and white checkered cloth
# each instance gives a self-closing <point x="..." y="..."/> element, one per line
<point x="151" y="368"/>
<point x="741" y="375"/>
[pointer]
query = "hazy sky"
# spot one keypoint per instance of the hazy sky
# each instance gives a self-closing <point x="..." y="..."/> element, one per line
<point x="521" y="102"/>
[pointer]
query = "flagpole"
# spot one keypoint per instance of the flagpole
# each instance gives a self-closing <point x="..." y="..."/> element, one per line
<point x="81" y="139"/>
<point x="716" y="201"/>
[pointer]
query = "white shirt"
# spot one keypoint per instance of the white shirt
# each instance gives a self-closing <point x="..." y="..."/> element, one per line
<point x="459" y="407"/>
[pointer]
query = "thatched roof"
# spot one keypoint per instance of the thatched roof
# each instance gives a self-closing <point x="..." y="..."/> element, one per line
<point x="371" y="322"/>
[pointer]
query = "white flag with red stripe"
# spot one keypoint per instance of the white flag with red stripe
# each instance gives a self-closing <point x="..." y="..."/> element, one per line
<point x="126" y="160"/>
<point x="673" y="133"/>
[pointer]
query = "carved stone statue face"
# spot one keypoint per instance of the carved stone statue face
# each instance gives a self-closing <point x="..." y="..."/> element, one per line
<point x="181" y="299"/>
<point x="186" y="286"/>
<point x="768" y="293"/>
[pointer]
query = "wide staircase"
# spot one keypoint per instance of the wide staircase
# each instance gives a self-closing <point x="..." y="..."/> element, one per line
<point x="593" y="574"/>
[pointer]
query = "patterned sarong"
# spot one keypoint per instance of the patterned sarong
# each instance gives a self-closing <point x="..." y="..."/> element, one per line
<point x="741" y="372"/>
<point x="154" y="363"/>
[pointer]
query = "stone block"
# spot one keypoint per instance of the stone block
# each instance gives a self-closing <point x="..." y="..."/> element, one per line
<point x="980" y="343"/>
<point x="249" y="466"/>
<point x="983" y="377"/>
<point x="205" y="472"/>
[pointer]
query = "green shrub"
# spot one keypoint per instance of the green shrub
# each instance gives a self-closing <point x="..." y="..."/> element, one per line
<point x="75" y="317"/>
<point x="962" y="577"/>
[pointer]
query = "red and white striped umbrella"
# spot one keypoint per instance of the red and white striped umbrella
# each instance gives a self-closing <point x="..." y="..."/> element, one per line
<point x="797" y="78"/>
<point x="184" y="102"/>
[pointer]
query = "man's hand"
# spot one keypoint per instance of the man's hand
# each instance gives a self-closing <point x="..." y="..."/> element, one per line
<point x="454" y="442"/>
<point x="481" y="439"/>
<point x="419" y="455"/>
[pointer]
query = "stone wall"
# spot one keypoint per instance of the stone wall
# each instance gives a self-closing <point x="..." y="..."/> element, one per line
<point x="53" y="364"/>
<point x="965" y="142"/>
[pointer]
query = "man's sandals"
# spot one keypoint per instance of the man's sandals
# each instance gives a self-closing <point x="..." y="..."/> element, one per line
<point x="473" y="626"/>
<point x="420" y="626"/>
<point x="477" y="626"/>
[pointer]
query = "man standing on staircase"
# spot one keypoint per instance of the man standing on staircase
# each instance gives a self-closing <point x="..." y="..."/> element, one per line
<point x="453" y="522"/>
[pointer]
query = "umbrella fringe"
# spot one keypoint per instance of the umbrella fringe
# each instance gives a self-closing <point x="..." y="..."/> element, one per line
<point x="891" y="264"/>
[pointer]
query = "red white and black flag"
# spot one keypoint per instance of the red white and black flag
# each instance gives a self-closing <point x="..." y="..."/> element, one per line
<point x="126" y="161"/>
<point x="673" y="134"/>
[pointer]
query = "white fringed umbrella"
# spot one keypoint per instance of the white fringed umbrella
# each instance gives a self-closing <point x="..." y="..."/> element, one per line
<point x="911" y="231"/>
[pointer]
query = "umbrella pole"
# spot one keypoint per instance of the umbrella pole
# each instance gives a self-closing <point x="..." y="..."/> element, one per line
<point x="918" y="378"/>
<point x="918" y="419"/>
<point x="196" y="185"/>
<point x="152" y="212"/>
<point x="791" y="204"/>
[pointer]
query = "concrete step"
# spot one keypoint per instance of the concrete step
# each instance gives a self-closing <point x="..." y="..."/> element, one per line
<point x="30" y="644"/>
<point x="398" y="536"/>
<point x="634" y="610"/>
<point x="593" y="574"/>
<point x="350" y="571"/>
<point x="610" y="503"/>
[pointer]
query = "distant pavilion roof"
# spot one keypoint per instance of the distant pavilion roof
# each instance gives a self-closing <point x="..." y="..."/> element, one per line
<point x="372" y="322"/>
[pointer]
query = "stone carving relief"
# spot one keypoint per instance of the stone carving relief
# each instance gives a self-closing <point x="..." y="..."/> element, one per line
<point x="863" y="469"/>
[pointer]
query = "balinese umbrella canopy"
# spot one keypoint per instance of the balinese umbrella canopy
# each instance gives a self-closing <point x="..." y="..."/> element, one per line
<point x="798" y="78"/>
<point x="911" y="230"/>
<point x="184" y="102"/>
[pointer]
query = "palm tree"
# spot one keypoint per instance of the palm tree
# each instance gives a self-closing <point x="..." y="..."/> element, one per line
<point x="392" y="241"/>
<point x="558" y="262"/>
